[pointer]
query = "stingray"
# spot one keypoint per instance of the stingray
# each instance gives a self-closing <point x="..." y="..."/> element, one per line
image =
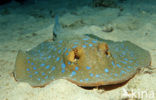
<point x="83" y="60"/>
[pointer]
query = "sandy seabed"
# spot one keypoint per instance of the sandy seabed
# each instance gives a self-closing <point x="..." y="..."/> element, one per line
<point x="26" y="28"/>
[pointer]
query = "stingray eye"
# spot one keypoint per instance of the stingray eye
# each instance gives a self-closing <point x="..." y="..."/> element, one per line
<point x="71" y="56"/>
<point x="75" y="54"/>
<point x="103" y="47"/>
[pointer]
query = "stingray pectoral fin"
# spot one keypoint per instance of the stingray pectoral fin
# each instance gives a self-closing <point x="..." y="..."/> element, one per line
<point x="20" y="66"/>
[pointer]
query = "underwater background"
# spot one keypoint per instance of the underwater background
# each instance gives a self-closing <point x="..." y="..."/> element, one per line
<point x="24" y="24"/>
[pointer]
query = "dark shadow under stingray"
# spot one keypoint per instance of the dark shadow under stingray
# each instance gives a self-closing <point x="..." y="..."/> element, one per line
<point x="107" y="87"/>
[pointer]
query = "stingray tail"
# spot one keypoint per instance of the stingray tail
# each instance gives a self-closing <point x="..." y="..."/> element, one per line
<point x="57" y="30"/>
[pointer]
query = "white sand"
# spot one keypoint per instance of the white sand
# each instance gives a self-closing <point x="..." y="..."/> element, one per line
<point x="17" y="31"/>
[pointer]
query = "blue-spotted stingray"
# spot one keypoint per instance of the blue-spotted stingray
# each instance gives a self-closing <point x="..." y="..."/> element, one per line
<point x="84" y="60"/>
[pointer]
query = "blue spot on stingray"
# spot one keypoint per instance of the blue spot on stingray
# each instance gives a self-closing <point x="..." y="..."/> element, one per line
<point x="88" y="67"/>
<point x="113" y="63"/>
<point x="75" y="42"/>
<point x="67" y="54"/>
<point x="28" y="61"/>
<point x="136" y="64"/>
<point x="123" y="53"/>
<point x="84" y="46"/>
<point x="69" y="62"/>
<point x="115" y="74"/>
<point x="85" y="39"/>
<point x="49" y="56"/>
<point x="53" y="56"/>
<point x="55" y="49"/>
<point x="122" y="72"/>
<point x="73" y="73"/>
<point x="76" y="68"/>
<point x="43" y="73"/>
<point x="123" y="62"/>
<point x="86" y="79"/>
<point x="38" y="79"/>
<point x="69" y="49"/>
<point x="129" y="67"/>
<point x="126" y="59"/>
<point x="46" y="77"/>
<point x="63" y="65"/>
<point x="65" y="49"/>
<point x="91" y="74"/>
<point x="118" y="65"/>
<point x="36" y="72"/>
<point x="53" y="68"/>
<point x="47" y="67"/>
<point x="130" y="61"/>
<point x="63" y="70"/>
<point x="42" y="64"/>
<point x="90" y="45"/>
<point x="30" y="75"/>
<point x="60" y="41"/>
<point x="59" y="51"/>
<point x="106" y="70"/>
<point x="41" y="54"/>
<point x="81" y="80"/>
<point x="34" y="68"/>
<point x="74" y="46"/>
<point x="94" y="41"/>
<point x="28" y="69"/>
<point x="97" y="75"/>
<point x="58" y="58"/>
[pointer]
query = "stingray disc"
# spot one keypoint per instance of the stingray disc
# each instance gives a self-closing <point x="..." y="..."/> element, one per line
<point x="84" y="61"/>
